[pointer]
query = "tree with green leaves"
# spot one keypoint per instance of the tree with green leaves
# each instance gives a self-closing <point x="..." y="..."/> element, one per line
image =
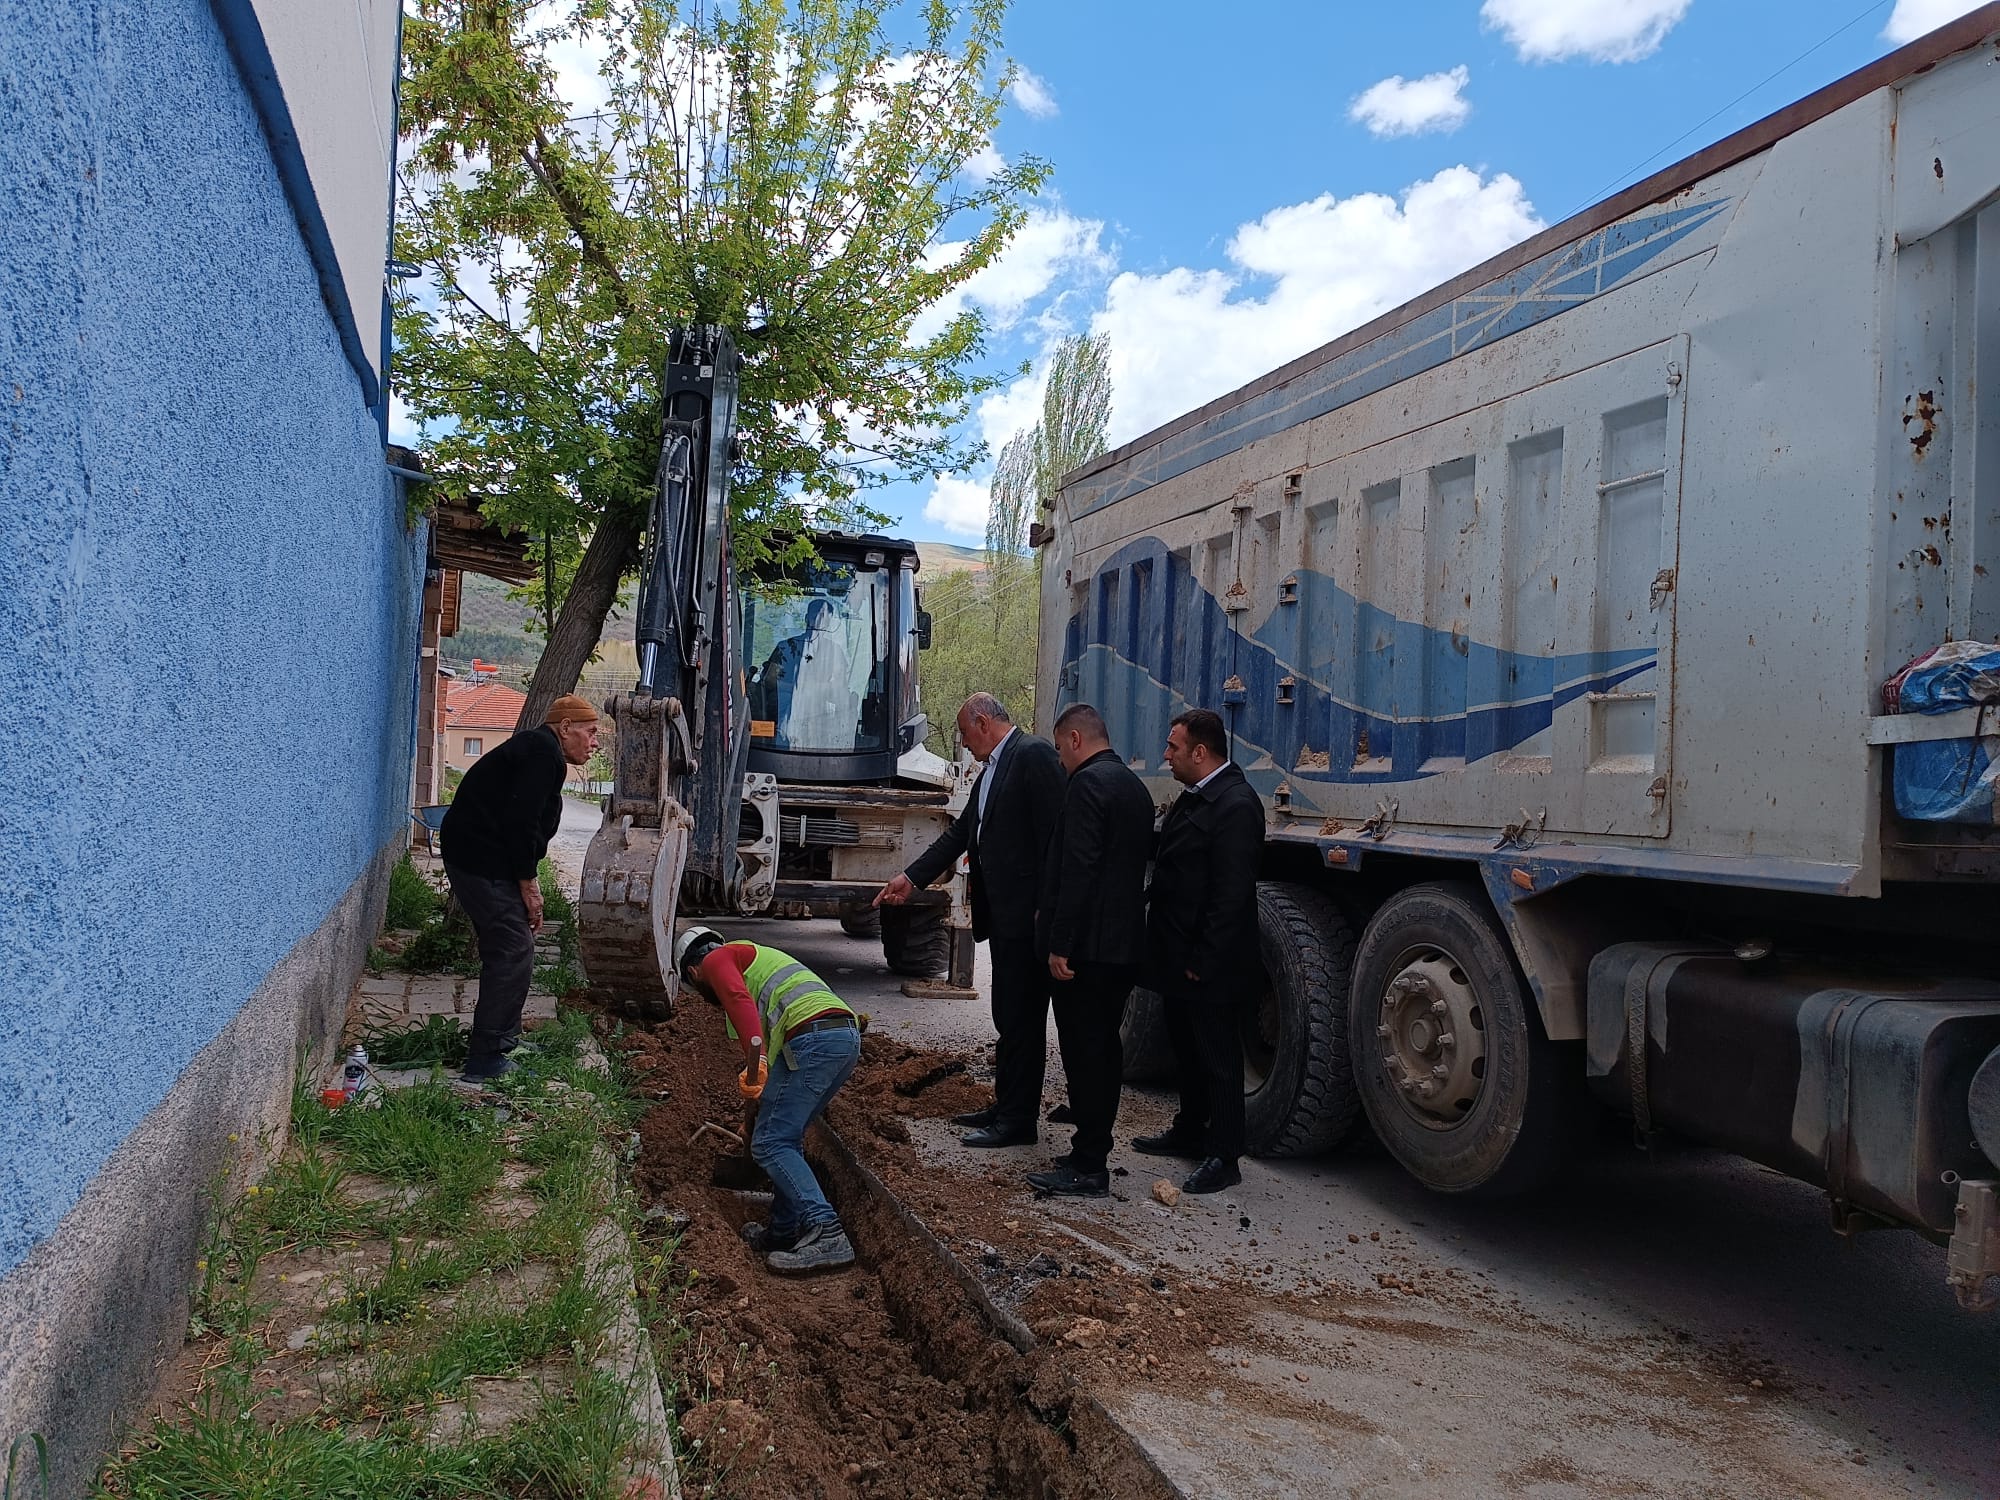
<point x="985" y="627"/>
<point x="794" y="170"/>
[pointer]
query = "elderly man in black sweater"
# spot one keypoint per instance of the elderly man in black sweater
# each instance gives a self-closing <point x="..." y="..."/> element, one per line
<point x="501" y="820"/>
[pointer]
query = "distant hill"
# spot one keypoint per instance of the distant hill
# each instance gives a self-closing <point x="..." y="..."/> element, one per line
<point x="494" y="628"/>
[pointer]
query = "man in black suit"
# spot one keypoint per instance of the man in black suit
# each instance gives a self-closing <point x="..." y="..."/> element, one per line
<point x="1092" y="925"/>
<point x="1201" y="934"/>
<point x="1005" y="828"/>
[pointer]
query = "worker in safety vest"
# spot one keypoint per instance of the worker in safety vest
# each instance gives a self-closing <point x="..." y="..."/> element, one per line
<point x="800" y="1042"/>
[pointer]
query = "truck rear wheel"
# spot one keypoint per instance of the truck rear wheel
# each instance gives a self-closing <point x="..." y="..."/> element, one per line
<point x="1148" y="1051"/>
<point x="858" y="919"/>
<point x="1449" y="1056"/>
<point x="1298" y="1082"/>
<point x="916" y="940"/>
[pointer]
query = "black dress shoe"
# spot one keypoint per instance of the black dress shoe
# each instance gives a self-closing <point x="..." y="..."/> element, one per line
<point x="1212" y="1176"/>
<point x="1068" y="1182"/>
<point x="1167" y="1143"/>
<point x="975" y="1119"/>
<point x="1000" y="1135"/>
<point x="1061" y="1115"/>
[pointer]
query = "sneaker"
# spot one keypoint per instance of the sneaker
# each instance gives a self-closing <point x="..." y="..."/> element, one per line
<point x="824" y="1247"/>
<point x="486" y="1069"/>
<point x="760" y="1238"/>
<point x="1069" y="1182"/>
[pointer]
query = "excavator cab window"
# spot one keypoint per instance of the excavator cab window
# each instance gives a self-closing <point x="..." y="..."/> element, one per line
<point x="825" y="660"/>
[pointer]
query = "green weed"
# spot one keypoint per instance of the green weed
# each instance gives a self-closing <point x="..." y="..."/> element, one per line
<point x="438" y="1042"/>
<point x="425" y="1137"/>
<point x="413" y="900"/>
<point x="301" y="1200"/>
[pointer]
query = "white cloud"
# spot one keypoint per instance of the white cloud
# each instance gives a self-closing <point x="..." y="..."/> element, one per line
<point x="1912" y="18"/>
<point x="1184" y="336"/>
<point x="1034" y="95"/>
<point x="985" y="164"/>
<point x="1613" y="31"/>
<point x="1414" y="106"/>
<point x="958" y="505"/>
<point x="1049" y="245"/>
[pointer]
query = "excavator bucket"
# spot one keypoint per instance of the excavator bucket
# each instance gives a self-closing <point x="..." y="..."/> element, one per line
<point x="632" y="874"/>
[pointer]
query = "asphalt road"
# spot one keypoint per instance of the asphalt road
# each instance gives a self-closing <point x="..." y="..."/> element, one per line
<point x="1600" y="1338"/>
<point x="1676" y="1324"/>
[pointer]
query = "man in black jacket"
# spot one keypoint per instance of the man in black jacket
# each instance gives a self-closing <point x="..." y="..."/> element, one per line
<point x="1005" y="828"/>
<point x="1092" y="925"/>
<point x="493" y="837"/>
<point x="1201" y="934"/>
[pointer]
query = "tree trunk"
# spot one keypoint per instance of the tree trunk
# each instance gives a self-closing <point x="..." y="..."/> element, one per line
<point x="580" y="624"/>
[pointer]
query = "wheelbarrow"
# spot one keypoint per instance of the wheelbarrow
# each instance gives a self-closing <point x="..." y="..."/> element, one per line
<point x="431" y="819"/>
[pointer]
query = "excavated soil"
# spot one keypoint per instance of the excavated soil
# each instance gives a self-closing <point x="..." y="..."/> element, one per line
<point x="884" y="1379"/>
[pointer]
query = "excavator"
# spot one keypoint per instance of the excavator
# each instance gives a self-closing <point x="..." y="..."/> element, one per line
<point x="770" y="760"/>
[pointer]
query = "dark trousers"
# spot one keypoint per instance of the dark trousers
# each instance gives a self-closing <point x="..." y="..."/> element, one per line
<point x="1209" y="1053"/>
<point x="499" y="918"/>
<point x="1089" y="1010"/>
<point x="1021" y="1020"/>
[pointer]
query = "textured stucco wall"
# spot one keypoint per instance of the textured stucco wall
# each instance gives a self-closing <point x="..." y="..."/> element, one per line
<point x="207" y="592"/>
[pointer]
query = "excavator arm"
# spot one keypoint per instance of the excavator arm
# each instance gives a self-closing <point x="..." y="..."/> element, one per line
<point x="680" y="738"/>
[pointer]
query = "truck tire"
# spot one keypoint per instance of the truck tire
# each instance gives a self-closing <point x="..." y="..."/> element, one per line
<point x="860" y="920"/>
<point x="1450" y="1059"/>
<point x="1148" y="1051"/>
<point x="1298" y="1083"/>
<point x="916" y="940"/>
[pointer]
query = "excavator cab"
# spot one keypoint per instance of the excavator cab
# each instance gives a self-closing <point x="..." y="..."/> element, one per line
<point x="831" y="664"/>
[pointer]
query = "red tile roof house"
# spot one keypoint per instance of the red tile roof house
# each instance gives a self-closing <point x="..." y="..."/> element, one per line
<point x="479" y="713"/>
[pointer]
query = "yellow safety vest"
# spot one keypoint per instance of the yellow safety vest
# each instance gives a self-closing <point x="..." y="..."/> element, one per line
<point x="786" y="992"/>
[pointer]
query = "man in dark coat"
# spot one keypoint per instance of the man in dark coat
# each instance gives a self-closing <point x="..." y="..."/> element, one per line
<point x="1092" y="925"/>
<point x="1005" y="828"/>
<point x="493" y="838"/>
<point x="1201" y="930"/>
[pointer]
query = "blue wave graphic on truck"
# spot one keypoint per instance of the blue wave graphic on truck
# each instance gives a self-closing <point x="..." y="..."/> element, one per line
<point x="1330" y="687"/>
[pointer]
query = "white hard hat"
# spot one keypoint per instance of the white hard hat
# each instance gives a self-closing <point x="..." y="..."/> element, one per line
<point x="692" y="938"/>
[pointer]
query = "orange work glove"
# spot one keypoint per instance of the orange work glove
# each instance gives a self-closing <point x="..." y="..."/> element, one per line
<point x="749" y="1087"/>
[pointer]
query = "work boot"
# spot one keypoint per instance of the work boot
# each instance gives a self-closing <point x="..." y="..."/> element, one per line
<point x="486" y="1069"/>
<point x="824" y="1247"/>
<point x="1071" y="1182"/>
<point x="760" y="1238"/>
<point x="1212" y="1176"/>
<point x="1169" y="1143"/>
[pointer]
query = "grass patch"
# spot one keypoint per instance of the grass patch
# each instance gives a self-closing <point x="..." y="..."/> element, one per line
<point x="411" y="1333"/>
<point x="413" y="900"/>
<point x="443" y="945"/>
<point x="565" y="975"/>
<point x="301" y="1201"/>
<point x="425" y="1137"/>
<point x="440" y="1042"/>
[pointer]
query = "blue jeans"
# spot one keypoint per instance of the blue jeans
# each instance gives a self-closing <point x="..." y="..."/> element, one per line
<point x="793" y="1099"/>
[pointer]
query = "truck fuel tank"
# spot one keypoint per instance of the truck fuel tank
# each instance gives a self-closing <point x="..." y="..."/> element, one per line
<point x="1858" y="1082"/>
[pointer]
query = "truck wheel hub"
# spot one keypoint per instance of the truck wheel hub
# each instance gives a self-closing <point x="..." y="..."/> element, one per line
<point x="1434" y="1036"/>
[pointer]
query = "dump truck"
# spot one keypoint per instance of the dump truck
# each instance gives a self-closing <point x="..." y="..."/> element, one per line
<point x="770" y="759"/>
<point x="1561" y="617"/>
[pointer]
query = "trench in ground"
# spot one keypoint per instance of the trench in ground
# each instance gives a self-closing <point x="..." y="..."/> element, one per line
<point x="894" y="1377"/>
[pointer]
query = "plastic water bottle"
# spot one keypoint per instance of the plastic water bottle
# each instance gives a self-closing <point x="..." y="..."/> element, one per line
<point x="354" y="1076"/>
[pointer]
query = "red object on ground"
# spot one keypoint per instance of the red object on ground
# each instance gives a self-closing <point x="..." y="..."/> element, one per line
<point x="333" y="1098"/>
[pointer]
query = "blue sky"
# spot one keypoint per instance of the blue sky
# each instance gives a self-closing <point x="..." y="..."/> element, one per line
<point x="1236" y="185"/>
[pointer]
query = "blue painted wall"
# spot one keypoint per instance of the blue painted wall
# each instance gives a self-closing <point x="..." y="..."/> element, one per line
<point x="208" y="597"/>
